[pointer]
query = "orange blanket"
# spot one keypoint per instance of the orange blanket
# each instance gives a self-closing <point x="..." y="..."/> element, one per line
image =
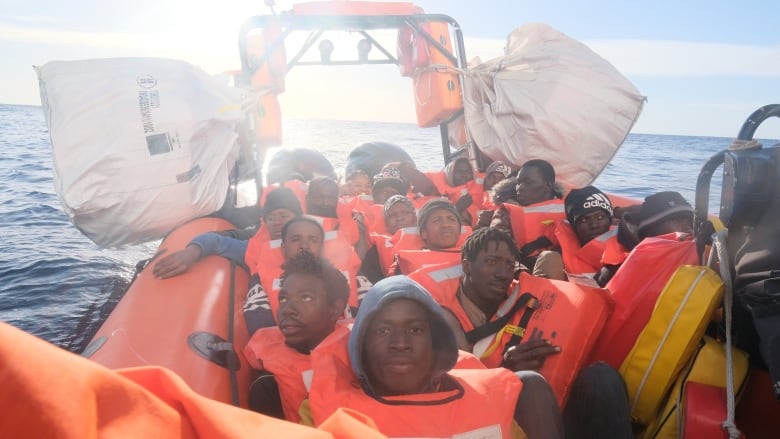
<point x="48" y="392"/>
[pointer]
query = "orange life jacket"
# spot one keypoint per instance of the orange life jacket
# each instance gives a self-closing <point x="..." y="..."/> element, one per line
<point x="267" y="351"/>
<point x="343" y="223"/>
<point x="635" y="287"/>
<point x="534" y="221"/>
<point x="359" y="202"/>
<point x="148" y="401"/>
<point x="336" y="249"/>
<point x="271" y="281"/>
<point x="408" y="241"/>
<point x="437" y="93"/>
<point x="385" y="249"/>
<point x="453" y="193"/>
<point x="374" y="217"/>
<point x="268" y="81"/>
<point x="581" y="259"/>
<point x="485" y="403"/>
<point x="614" y="252"/>
<point x="340" y="252"/>
<point x="255" y="247"/>
<point x="410" y="261"/>
<point x="568" y="314"/>
<point x="419" y="200"/>
<point x="262" y="251"/>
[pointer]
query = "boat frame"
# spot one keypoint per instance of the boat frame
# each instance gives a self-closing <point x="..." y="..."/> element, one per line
<point x="318" y="24"/>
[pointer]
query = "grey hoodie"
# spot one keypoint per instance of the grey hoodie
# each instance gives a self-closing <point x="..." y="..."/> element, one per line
<point x="384" y="292"/>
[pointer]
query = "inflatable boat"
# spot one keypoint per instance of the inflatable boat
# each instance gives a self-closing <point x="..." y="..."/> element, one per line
<point x="193" y="325"/>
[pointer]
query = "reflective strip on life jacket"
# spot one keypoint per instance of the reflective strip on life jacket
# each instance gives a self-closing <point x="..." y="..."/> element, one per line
<point x="579" y="259"/>
<point x="268" y="352"/>
<point x="530" y="222"/>
<point x="485" y="406"/>
<point x="569" y="315"/>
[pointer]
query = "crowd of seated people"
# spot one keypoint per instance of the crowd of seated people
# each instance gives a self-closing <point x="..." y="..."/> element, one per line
<point x="327" y="257"/>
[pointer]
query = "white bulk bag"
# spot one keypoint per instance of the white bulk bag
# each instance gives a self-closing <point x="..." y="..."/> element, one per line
<point x="140" y="145"/>
<point x="550" y="97"/>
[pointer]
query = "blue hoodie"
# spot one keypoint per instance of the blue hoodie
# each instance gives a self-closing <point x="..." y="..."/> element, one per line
<point x="384" y="292"/>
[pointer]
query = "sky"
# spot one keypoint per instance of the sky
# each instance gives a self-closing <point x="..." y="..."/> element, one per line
<point x="704" y="66"/>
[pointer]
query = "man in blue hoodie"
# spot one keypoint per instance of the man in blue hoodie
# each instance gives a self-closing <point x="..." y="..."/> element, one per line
<point x="404" y="357"/>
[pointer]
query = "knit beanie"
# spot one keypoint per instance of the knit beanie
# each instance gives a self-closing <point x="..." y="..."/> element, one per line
<point x="390" y="176"/>
<point x="660" y="207"/>
<point x="281" y="198"/>
<point x="585" y="200"/>
<point x="395" y="199"/>
<point x="432" y="206"/>
<point x="499" y="166"/>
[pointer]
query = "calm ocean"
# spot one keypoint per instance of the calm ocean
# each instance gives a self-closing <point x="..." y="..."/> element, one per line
<point x="55" y="283"/>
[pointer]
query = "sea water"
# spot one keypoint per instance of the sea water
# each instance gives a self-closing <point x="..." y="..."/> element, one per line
<point x="57" y="284"/>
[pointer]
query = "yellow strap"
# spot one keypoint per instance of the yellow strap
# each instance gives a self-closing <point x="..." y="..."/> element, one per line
<point x="507" y="329"/>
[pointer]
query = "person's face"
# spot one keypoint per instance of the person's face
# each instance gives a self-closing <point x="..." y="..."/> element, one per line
<point x="276" y="220"/>
<point x="531" y="187"/>
<point x="490" y="274"/>
<point x="441" y="231"/>
<point x="399" y="216"/>
<point x="398" y="349"/>
<point x="491" y="180"/>
<point x="305" y="317"/>
<point x="322" y="199"/>
<point x="383" y="193"/>
<point x="462" y="174"/>
<point x="591" y="225"/>
<point x="358" y="184"/>
<point x="302" y="236"/>
<point x="680" y="223"/>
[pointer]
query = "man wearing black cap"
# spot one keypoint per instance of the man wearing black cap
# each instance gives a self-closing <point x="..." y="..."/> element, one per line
<point x="660" y="214"/>
<point x="581" y="238"/>
<point x="665" y="212"/>
<point x="589" y="212"/>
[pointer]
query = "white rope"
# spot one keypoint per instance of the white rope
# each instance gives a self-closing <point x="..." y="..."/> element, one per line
<point x="719" y="243"/>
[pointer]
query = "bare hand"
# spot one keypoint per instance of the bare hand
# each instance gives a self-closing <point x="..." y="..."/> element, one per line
<point x="529" y="355"/>
<point x="176" y="263"/>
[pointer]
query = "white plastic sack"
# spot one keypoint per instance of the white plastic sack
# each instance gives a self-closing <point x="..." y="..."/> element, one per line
<point x="140" y="145"/>
<point x="550" y="97"/>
